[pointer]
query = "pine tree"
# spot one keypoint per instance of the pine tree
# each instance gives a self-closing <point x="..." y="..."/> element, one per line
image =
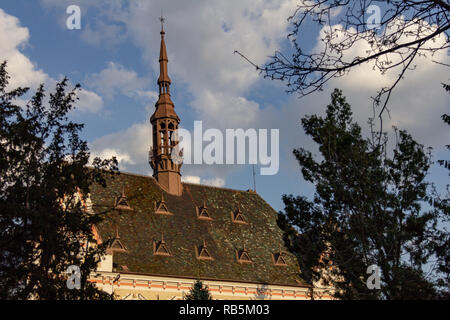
<point x="371" y="207"/>
<point x="198" y="292"/>
<point x="44" y="183"/>
<point x="442" y="246"/>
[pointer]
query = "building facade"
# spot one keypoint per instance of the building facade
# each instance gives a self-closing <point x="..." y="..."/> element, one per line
<point x="164" y="234"/>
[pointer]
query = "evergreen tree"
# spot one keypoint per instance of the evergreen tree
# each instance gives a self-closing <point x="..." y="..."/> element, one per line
<point x="44" y="185"/>
<point x="442" y="247"/>
<point x="369" y="208"/>
<point x="198" y="292"/>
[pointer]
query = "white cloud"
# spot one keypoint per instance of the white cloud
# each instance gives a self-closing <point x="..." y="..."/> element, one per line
<point x="107" y="153"/>
<point x="224" y="110"/>
<point x="102" y="33"/>
<point x="201" y="37"/>
<point x="12" y="38"/>
<point x="215" y="182"/>
<point x="191" y="179"/>
<point x="151" y="96"/>
<point x="131" y="147"/>
<point x="417" y="102"/>
<point x="365" y="76"/>
<point x="23" y="71"/>
<point x="117" y="79"/>
<point x="89" y="101"/>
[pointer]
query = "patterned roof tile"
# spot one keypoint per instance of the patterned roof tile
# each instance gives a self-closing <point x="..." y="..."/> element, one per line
<point x="183" y="231"/>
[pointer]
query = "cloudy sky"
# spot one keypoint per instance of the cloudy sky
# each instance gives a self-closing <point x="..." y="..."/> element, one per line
<point x="114" y="56"/>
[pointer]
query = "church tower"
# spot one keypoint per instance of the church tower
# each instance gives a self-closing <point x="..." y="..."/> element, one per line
<point x="165" y="121"/>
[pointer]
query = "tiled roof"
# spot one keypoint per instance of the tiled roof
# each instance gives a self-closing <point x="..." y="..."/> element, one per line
<point x="141" y="228"/>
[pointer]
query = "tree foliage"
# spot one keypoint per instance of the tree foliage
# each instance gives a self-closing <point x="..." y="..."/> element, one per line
<point x="443" y="201"/>
<point x="198" y="292"/>
<point x="371" y="207"/>
<point x="446" y="118"/>
<point x="45" y="223"/>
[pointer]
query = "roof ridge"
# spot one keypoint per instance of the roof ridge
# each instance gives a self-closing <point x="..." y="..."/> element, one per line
<point x="190" y="183"/>
<point x="214" y="187"/>
<point x="137" y="175"/>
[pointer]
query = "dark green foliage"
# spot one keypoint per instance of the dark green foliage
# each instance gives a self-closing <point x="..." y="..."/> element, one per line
<point x="198" y="292"/>
<point x="43" y="184"/>
<point x="442" y="247"/>
<point x="446" y="119"/>
<point x="370" y="207"/>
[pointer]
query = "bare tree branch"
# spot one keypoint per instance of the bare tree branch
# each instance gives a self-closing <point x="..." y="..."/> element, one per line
<point x="405" y="31"/>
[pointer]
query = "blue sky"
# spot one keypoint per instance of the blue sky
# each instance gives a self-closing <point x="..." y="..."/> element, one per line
<point x="115" y="58"/>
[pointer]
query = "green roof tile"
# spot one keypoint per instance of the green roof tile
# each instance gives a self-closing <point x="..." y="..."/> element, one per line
<point x="184" y="232"/>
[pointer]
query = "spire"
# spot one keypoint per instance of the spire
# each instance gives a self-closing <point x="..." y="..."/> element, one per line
<point x="163" y="80"/>
<point x="165" y="122"/>
<point x="164" y="105"/>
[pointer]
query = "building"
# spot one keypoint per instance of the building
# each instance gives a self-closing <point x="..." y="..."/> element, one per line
<point x="164" y="234"/>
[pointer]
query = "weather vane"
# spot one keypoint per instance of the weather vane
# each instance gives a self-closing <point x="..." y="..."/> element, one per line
<point x="162" y="21"/>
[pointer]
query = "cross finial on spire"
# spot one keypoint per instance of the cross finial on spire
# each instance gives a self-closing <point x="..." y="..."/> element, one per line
<point x="162" y="19"/>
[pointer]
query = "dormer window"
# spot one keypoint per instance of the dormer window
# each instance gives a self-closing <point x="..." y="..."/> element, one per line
<point x="122" y="203"/>
<point x="202" y="212"/>
<point x="278" y="258"/>
<point x="116" y="245"/>
<point x="160" y="248"/>
<point x="238" y="217"/>
<point x="161" y="207"/>
<point x="243" y="256"/>
<point x="202" y="252"/>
